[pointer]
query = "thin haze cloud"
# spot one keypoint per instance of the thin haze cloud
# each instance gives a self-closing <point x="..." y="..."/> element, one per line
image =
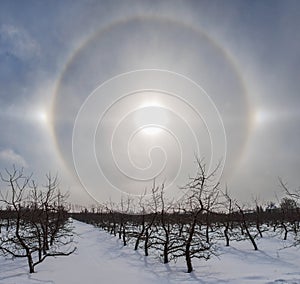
<point x="17" y="42"/>
<point x="10" y="157"/>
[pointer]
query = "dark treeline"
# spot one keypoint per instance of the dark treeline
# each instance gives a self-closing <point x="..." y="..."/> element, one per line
<point x="267" y="216"/>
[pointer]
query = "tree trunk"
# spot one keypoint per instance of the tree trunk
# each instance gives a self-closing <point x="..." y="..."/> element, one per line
<point x="226" y="235"/>
<point x="146" y="242"/>
<point x="207" y="234"/>
<point x="188" y="245"/>
<point x="251" y="238"/>
<point x="166" y="246"/>
<point x="244" y="225"/>
<point x="188" y="259"/>
<point x="114" y="229"/>
<point x="166" y="251"/>
<point x="30" y="262"/>
<point x="139" y="236"/>
<point x="258" y="228"/>
<point x="147" y="235"/>
<point x="120" y="232"/>
<point x="285" y="231"/>
<point x="7" y="224"/>
<point x="124" y="236"/>
<point x="207" y="229"/>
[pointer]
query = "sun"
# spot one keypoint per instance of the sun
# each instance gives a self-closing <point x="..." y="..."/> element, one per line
<point x="152" y="130"/>
<point x="151" y="103"/>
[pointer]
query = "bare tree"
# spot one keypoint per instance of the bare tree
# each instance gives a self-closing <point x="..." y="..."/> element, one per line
<point x="140" y="223"/>
<point x="290" y="211"/>
<point x="259" y="217"/>
<point x="294" y="194"/>
<point x="152" y="217"/>
<point x="122" y="214"/>
<point x="202" y="194"/>
<point x="228" y="204"/>
<point x="164" y="238"/>
<point x="246" y="225"/>
<point x="26" y="237"/>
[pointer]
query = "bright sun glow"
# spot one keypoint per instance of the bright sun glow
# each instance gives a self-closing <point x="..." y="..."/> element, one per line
<point x="152" y="130"/>
<point x="42" y="116"/>
<point x="151" y="104"/>
<point x="261" y="117"/>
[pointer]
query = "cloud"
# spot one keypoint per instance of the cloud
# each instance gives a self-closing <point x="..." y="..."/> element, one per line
<point x="18" y="42"/>
<point x="9" y="156"/>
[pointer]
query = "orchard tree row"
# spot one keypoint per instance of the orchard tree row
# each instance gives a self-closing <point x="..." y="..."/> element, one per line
<point x="193" y="226"/>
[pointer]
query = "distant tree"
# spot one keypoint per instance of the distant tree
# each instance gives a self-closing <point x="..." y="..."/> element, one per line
<point x="290" y="211"/>
<point x="287" y="204"/>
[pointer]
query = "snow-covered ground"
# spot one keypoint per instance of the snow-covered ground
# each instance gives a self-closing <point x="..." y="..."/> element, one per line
<point x="101" y="258"/>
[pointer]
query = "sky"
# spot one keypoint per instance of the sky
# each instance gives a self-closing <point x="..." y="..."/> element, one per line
<point x="112" y="95"/>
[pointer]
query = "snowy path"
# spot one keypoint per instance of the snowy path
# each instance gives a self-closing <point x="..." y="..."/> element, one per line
<point x="98" y="259"/>
<point x="101" y="258"/>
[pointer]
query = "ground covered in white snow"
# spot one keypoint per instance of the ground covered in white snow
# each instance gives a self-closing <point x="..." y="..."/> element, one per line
<point x="101" y="258"/>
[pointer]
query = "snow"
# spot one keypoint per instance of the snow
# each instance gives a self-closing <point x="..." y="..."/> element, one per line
<point x="101" y="258"/>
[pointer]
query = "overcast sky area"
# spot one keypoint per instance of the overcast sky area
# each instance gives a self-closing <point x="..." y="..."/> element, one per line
<point x="111" y="94"/>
